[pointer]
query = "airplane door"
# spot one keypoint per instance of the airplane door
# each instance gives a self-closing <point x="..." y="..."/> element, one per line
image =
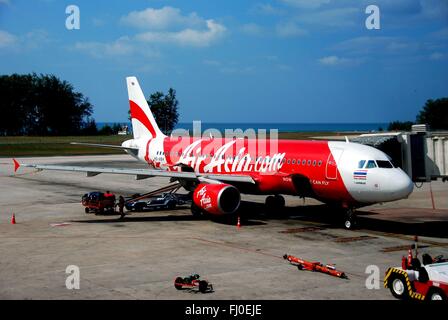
<point x="331" y="170"/>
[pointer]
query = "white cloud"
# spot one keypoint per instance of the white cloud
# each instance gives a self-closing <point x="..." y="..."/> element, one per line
<point x="186" y="37"/>
<point x="167" y="26"/>
<point x="7" y="39"/>
<point x="289" y="29"/>
<point x="31" y="40"/>
<point x="338" y="61"/>
<point x="35" y="39"/>
<point x="230" y="70"/>
<point x="434" y="9"/>
<point x="267" y="9"/>
<point x="253" y="29"/>
<point x="166" y="18"/>
<point x="119" y="47"/>
<point x="214" y="63"/>
<point x="330" y="60"/>
<point x="437" y="56"/>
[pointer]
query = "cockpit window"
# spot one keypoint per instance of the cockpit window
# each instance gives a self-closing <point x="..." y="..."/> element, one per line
<point x="361" y="164"/>
<point x="371" y="164"/>
<point x="384" y="164"/>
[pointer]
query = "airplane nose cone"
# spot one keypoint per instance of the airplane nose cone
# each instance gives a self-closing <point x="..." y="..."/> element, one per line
<point x="403" y="186"/>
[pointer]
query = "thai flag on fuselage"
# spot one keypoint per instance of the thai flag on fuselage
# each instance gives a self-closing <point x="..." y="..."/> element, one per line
<point x="360" y="174"/>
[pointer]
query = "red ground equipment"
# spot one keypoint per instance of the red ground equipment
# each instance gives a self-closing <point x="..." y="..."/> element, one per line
<point x="193" y="281"/>
<point x="314" y="266"/>
<point x="426" y="280"/>
<point x="98" y="202"/>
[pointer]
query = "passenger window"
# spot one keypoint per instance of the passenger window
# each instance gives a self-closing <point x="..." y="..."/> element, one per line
<point x="314" y="163"/>
<point x="289" y="161"/>
<point x="303" y="162"/>
<point x="309" y="162"/>
<point x="361" y="164"/>
<point x="293" y="161"/>
<point x="298" y="161"/>
<point x="319" y="163"/>
<point x="371" y="164"/>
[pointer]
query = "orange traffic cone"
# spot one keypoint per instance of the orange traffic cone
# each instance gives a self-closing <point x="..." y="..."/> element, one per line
<point x="13" y="219"/>
<point x="238" y="224"/>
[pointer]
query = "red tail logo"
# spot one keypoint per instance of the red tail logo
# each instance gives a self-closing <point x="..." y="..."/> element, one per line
<point x="138" y="114"/>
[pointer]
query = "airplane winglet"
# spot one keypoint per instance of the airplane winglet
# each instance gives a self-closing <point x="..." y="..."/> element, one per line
<point x="16" y="165"/>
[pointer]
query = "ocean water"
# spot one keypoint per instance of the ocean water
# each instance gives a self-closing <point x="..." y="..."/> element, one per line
<point x="291" y="127"/>
<point x="281" y="127"/>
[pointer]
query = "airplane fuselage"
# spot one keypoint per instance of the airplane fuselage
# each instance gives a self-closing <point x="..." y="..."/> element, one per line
<point x="347" y="174"/>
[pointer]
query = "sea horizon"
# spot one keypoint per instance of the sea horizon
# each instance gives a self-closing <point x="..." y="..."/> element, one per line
<point x="280" y="126"/>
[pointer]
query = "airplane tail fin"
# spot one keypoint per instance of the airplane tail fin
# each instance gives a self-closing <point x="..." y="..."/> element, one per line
<point x="143" y="122"/>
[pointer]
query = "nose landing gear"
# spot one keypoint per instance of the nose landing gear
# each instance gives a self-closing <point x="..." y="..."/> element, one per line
<point x="350" y="219"/>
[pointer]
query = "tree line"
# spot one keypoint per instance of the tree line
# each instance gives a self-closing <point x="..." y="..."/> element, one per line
<point x="34" y="104"/>
<point x="434" y="113"/>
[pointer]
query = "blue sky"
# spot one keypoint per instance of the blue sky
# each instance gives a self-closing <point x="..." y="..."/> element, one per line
<point x="239" y="61"/>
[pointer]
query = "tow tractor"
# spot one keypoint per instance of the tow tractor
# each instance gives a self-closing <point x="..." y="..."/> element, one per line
<point x="193" y="281"/>
<point x="426" y="280"/>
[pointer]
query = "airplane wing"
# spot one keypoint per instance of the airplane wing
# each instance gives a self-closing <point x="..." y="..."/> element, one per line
<point x="139" y="173"/>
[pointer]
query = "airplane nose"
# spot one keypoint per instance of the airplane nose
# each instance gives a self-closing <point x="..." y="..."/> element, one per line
<point x="403" y="186"/>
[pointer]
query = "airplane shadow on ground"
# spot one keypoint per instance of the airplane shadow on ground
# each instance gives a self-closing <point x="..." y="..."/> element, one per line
<point x="330" y="217"/>
<point x="115" y="217"/>
<point x="253" y="214"/>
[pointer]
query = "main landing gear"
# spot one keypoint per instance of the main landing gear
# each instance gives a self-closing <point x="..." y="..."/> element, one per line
<point x="196" y="211"/>
<point x="275" y="202"/>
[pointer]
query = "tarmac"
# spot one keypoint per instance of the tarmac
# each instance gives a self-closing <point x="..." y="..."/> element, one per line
<point x="139" y="257"/>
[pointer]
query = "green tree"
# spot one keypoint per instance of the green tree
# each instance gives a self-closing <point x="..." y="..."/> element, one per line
<point x="41" y="105"/>
<point x="164" y="108"/>
<point x="400" y="126"/>
<point x="107" y="130"/>
<point x="435" y="114"/>
<point x="16" y="94"/>
<point x="89" y="128"/>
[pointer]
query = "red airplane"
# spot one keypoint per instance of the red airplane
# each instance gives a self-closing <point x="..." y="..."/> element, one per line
<point x="217" y="170"/>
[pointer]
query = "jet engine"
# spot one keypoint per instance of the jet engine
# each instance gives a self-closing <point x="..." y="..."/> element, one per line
<point x="217" y="198"/>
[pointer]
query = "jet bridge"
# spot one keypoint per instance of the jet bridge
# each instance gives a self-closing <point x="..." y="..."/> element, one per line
<point x="421" y="153"/>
